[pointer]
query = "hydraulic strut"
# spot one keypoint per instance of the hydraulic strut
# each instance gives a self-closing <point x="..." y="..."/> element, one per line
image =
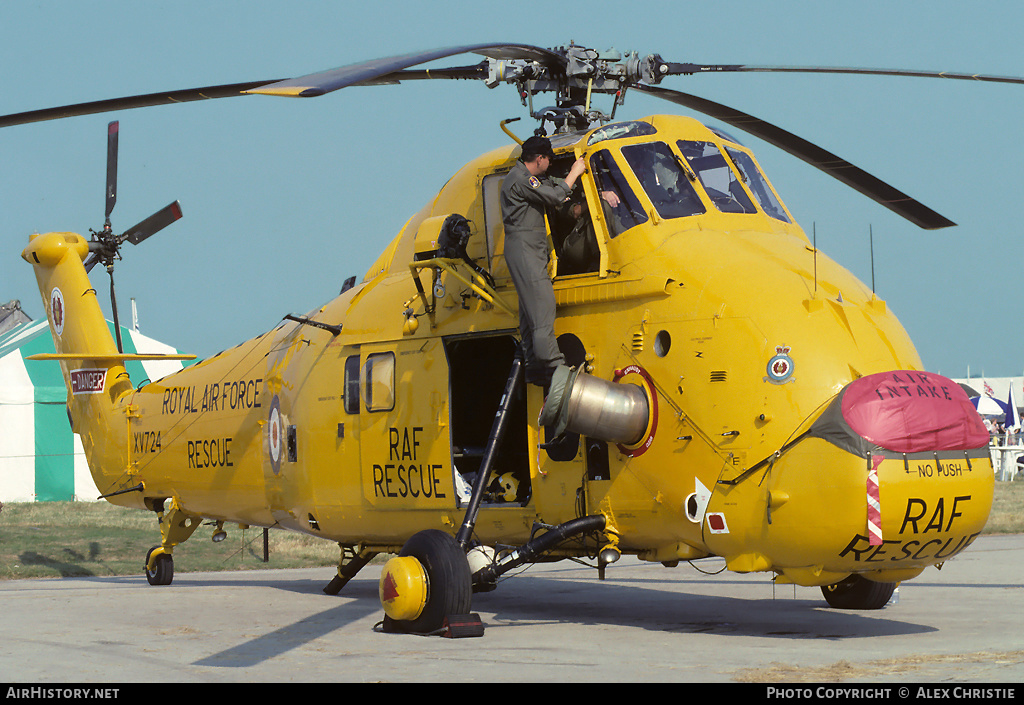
<point x="535" y="547"/>
<point x="493" y="443"/>
<point x="348" y="569"/>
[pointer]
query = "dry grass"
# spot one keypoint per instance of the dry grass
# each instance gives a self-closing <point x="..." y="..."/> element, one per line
<point x="1007" y="515"/>
<point x="906" y="666"/>
<point x="66" y="539"/>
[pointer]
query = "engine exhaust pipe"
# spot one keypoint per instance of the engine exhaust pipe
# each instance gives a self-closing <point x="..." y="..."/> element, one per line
<point x="608" y="411"/>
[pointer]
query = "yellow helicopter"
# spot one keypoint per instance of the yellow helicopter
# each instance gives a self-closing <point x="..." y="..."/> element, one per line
<point x="729" y="391"/>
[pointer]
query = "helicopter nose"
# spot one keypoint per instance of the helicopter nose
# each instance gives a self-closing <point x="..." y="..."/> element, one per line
<point x="893" y="476"/>
<point x="929" y="479"/>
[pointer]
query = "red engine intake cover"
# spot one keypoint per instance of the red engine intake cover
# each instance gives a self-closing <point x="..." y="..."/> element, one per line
<point x="912" y="412"/>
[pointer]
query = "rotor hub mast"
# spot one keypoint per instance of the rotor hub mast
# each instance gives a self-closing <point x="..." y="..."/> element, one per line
<point x="585" y="72"/>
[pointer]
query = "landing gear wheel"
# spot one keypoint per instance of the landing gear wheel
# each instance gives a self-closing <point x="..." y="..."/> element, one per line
<point x="162" y="572"/>
<point x="449" y="588"/>
<point x="857" y="593"/>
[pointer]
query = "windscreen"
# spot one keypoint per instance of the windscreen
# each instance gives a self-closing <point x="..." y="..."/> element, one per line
<point x="621" y="207"/>
<point x="663" y="179"/>
<point x="757" y="184"/>
<point x="717" y="178"/>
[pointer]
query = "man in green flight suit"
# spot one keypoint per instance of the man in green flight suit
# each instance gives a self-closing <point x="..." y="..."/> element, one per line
<point x="525" y="195"/>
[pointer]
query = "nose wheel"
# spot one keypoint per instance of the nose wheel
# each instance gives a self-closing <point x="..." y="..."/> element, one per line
<point x="857" y="593"/>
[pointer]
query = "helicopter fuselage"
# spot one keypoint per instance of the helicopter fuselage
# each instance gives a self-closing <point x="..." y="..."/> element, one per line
<point x="700" y="289"/>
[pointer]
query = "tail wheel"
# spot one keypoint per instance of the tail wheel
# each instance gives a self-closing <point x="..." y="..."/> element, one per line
<point x="159" y="568"/>
<point x="858" y="593"/>
<point x="433" y="573"/>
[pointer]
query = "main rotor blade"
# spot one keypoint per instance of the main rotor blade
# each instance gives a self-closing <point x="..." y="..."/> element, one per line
<point x="153" y="224"/>
<point x="316" y="84"/>
<point x="134" y="101"/>
<point x="476" y="71"/>
<point x="836" y="167"/>
<point x="687" y="68"/>
<point x="112" y="132"/>
<point x="306" y="86"/>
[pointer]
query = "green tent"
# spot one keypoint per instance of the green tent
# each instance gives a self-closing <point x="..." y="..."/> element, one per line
<point x="40" y="458"/>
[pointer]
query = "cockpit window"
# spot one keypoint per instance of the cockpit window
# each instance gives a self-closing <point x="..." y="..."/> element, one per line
<point x="663" y="179"/>
<point x="755" y="181"/>
<point x="718" y="179"/>
<point x="621" y="130"/>
<point x="622" y="209"/>
<point x="725" y="135"/>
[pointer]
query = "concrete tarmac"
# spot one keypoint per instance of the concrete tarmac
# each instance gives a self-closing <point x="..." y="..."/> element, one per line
<point x="552" y="623"/>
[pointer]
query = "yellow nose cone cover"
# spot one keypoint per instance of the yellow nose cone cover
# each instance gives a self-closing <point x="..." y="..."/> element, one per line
<point x="403" y="588"/>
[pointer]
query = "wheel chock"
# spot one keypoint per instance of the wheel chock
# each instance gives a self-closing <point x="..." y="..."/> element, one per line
<point x="457" y="626"/>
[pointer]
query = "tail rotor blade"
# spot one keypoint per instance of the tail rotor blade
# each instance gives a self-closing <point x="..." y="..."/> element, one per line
<point x="112" y="132"/>
<point x="113" y="309"/>
<point x="153" y="224"/>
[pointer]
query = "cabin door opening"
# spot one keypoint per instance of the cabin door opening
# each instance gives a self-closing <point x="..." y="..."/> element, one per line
<point x="478" y="371"/>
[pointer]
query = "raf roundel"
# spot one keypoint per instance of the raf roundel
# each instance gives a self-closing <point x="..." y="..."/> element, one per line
<point x="57" y="310"/>
<point x="274" y="435"/>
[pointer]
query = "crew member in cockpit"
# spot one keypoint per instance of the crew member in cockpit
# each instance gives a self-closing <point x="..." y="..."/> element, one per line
<point x="577" y="250"/>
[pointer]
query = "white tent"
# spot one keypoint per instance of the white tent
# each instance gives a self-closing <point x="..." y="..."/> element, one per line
<point x="40" y="458"/>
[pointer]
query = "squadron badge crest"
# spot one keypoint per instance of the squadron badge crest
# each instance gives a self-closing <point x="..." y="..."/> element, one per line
<point x="780" y="367"/>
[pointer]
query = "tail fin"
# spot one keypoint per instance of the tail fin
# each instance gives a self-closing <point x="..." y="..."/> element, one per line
<point x="94" y="373"/>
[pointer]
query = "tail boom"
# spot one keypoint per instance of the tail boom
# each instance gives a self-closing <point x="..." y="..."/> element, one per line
<point x="94" y="374"/>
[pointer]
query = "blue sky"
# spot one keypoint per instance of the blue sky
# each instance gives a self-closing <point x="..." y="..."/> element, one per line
<point x="284" y="198"/>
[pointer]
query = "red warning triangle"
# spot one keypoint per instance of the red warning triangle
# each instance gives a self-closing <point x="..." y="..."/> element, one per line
<point x="389" y="589"/>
